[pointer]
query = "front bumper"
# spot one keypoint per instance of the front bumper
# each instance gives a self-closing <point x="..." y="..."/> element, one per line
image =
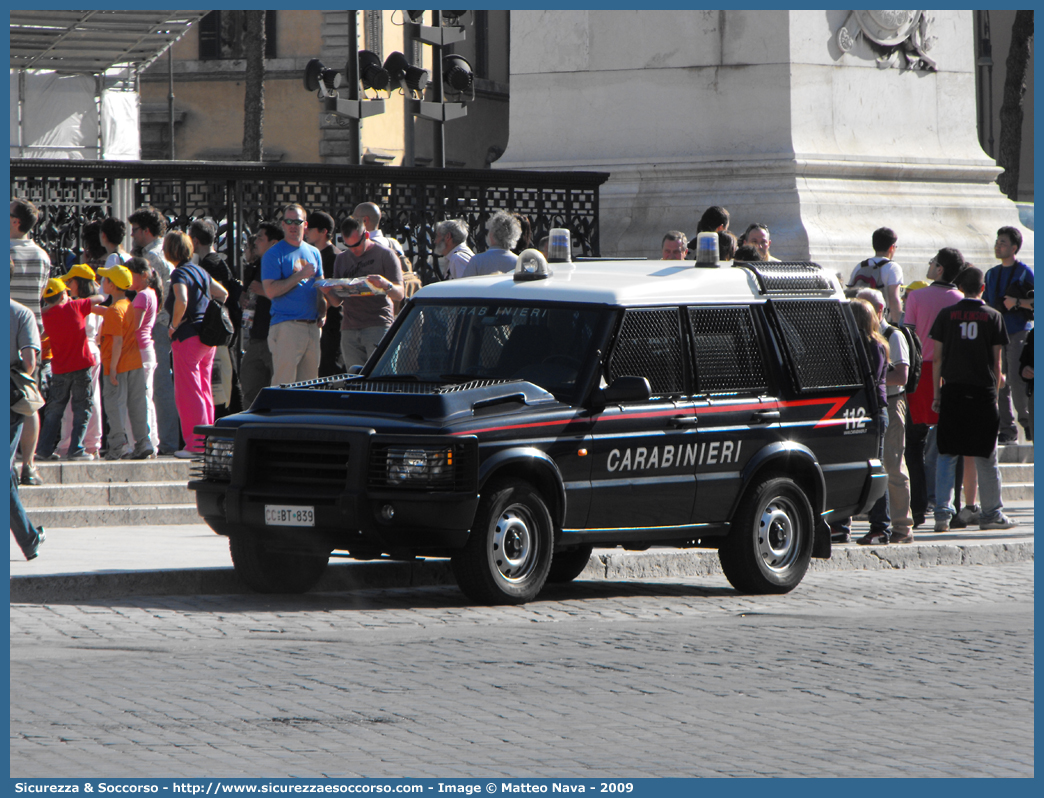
<point x="338" y="473"/>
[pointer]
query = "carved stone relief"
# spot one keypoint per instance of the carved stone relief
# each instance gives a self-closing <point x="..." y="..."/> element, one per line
<point x="900" y="37"/>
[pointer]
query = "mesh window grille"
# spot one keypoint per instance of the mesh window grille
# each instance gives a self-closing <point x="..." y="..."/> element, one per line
<point x="726" y="353"/>
<point x="818" y="344"/>
<point x="649" y="345"/>
<point x="426" y="344"/>
<point x="780" y="277"/>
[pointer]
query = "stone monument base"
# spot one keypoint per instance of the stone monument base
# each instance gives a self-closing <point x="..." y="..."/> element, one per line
<point x="822" y="124"/>
<point x="815" y="209"/>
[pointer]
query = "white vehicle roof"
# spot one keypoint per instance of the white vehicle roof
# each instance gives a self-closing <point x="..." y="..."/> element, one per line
<point x="627" y="283"/>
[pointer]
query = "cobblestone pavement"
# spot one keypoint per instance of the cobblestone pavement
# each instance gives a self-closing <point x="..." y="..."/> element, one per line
<point x="923" y="672"/>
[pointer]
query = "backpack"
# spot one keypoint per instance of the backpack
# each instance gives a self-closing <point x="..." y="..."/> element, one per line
<point x="215" y="265"/>
<point x="913" y="343"/>
<point x="216" y="329"/>
<point x="866" y="276"/>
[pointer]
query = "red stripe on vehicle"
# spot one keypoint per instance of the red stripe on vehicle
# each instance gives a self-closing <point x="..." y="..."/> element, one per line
<point x="826" y="421"/>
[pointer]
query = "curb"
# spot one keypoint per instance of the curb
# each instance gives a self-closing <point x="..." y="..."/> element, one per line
<point x="605" y="565"/>
<point x="643" y="565"/>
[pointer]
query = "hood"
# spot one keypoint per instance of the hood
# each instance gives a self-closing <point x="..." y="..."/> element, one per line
<point x="402" y="398"/>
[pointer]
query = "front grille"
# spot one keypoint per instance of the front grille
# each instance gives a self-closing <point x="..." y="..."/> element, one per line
<point x="305" y="465"/>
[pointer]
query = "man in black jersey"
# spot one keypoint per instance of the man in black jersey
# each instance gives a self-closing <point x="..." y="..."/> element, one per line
<point x="969" y="343"/>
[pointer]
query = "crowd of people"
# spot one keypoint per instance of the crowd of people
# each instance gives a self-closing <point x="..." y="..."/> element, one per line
<point x="115" y="342"/>
<point x="754" y="245"/>
<point x="942" y="433"/>
<point x="119" y="356"/>
<point x="974" y="354"/>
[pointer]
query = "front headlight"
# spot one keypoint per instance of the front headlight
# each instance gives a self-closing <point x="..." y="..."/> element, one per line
<point x="217" y="459"/>
<point x="412" y="465"/>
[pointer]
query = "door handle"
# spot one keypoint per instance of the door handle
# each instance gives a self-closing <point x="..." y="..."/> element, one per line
<point x="762" y="416"/>
<point x="683" y="421"/>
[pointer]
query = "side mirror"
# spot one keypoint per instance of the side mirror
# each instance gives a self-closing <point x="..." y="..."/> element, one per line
<point x="356" y="369"/>
<point x="625" y="389"/>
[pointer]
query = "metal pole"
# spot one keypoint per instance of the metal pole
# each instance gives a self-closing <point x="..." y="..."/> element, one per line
<point x="170" y="96"/>
<point x="439" y="152"/>
<point x="99" y="89"/>
<point x="354" y="124"/>
<point x="21" y="113"/>
<point x="408" y="130"/>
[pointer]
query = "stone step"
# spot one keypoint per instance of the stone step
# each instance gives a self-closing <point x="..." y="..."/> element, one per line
<point x="162" y="469"/>
<point x="1017" y="491"/>
<point x="112" y="494"/>
<point x="1016" y="472"/>
<point x="136" y="515"/>
<point x="1015" y="453"/>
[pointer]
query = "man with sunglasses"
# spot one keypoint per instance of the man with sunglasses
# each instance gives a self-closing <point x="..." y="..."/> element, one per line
<point x="289" y="270"/>
<point x="365" y="319"/>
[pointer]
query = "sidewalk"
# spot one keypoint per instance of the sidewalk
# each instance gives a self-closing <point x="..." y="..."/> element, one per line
<point x="82" y="564"/>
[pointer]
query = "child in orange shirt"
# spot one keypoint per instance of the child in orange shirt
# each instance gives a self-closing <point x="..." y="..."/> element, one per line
<point x="123" y="383"/>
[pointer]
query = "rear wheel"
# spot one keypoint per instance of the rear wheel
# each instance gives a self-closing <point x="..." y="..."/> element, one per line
<point x="567" y="565"/>
<point x="770" y="545"/>
<point x="274" y="572"/>
<point x="508" y="553"/>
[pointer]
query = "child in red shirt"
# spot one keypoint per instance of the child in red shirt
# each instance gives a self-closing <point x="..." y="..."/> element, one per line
<point x="65" y="322"/>
<point x="123" y="384"/>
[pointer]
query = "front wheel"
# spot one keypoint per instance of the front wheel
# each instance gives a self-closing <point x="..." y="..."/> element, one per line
<point x="568" y="565"/>
<point x="508" y="553"/>
<point x="770" y="545"/>
<point x="274" y="572"/>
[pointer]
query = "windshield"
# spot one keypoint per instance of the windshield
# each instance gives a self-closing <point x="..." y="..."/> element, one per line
<point x="547" y="345"/>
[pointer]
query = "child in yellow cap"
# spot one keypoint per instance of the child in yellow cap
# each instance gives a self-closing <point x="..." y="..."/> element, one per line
<point x="81" y="283"/>
<point x="65" y="322"/>
<point x="123" y="384"/>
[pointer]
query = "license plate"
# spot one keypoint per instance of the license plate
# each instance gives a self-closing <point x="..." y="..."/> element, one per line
<point x="284" y="515"/>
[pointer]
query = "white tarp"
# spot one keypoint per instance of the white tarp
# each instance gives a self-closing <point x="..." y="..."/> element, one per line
<point x="60" y="119"/>
<point x="120" y="139"/>
<point x="59" y="116"/>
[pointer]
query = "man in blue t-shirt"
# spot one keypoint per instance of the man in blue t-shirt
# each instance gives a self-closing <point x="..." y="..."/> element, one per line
<point x="288" y="273"/>
<point x="1008" y="291"/>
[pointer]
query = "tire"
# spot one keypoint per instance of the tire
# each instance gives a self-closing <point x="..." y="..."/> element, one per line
<point x="274" y="572"/>
<point x="567" y="565"/>
<point x="770" y="545"/>
<point x="508" y="554"/>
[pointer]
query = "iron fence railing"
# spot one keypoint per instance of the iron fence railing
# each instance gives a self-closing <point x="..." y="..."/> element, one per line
<point x="239" y="196"/>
